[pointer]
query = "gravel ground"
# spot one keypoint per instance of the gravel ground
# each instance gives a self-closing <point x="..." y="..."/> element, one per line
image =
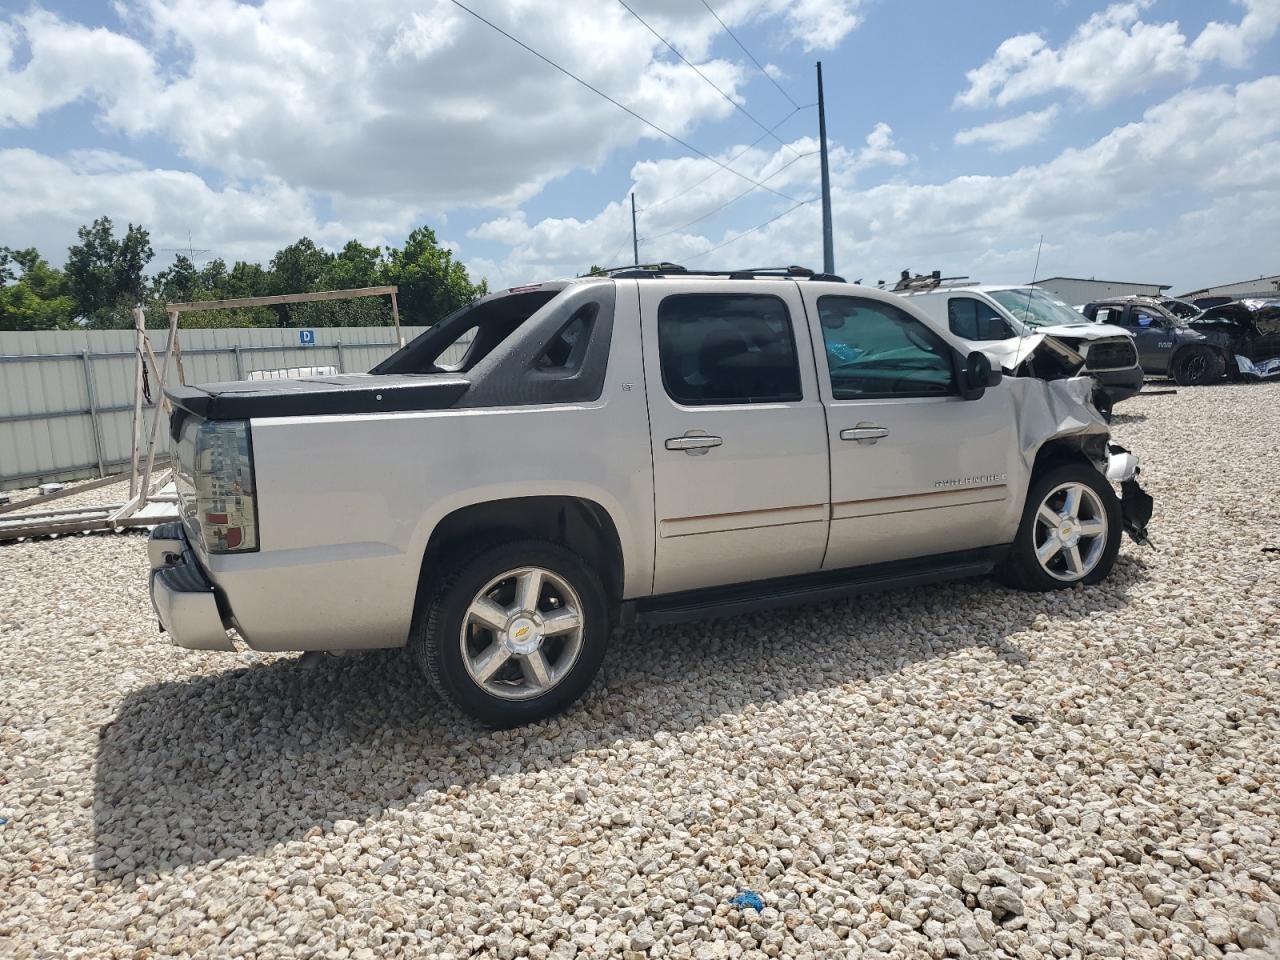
<point x="859" y="764"/>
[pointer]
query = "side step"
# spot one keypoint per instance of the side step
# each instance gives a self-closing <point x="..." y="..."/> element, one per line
<point x="811" y="588"/>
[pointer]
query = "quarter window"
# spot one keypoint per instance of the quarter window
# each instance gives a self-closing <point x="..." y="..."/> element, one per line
<point x="875" y="349"/>
<point x="727" y="348"/>
<point x="974" y="320"/>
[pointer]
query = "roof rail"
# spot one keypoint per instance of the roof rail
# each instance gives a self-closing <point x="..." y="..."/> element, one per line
<point x="665" y="269"/>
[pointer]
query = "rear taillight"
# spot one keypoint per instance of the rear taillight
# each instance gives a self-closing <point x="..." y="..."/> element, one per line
<point x="225" y="508"/>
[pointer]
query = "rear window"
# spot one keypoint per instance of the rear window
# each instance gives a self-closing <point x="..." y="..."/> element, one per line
<point x="460" y="341"/>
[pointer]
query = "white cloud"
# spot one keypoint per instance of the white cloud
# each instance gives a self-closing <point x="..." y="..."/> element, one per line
<point x="1019" y="131"/>
<point x="1115" y="52"/>
<point x="989" y="225"/>
<point x="406" y="99"/>
<point x="46" y="199"/>
<point x="880" y="150"/>
<point x="65" y="62"/>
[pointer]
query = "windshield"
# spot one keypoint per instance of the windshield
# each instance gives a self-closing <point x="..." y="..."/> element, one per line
<point x="1035" y="308"/>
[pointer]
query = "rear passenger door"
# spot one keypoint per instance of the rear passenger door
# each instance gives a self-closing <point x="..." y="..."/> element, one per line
<point x="915" y="469"/>
<point x="738" y="433"/>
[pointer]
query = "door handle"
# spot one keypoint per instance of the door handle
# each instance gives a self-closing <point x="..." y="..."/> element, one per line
<point x="864" y="433"/>
<point x="695" y="444"/>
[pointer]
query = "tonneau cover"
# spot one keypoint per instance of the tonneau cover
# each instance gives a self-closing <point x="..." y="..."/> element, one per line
<point x="317" y="396"/>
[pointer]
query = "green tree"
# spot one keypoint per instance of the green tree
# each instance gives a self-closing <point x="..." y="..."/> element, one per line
<point x="105" y="275"/>
<point x="432" y="284"/>
<point x="33" y="295"/>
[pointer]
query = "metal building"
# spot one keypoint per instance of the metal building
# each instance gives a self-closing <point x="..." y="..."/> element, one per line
<point x="1079" y="290"/>
<point x="1263" y="288"/>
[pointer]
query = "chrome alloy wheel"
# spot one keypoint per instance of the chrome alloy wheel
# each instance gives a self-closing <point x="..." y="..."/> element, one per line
<point x="1071" y="532"/>
<point x="522" y="633"/>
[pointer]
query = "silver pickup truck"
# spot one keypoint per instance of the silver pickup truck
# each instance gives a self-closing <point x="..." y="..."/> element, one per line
<point x="645" y="446"/>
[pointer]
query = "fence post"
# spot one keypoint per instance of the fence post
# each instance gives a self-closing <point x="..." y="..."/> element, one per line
<point x="340" y="367"/>
<point x="239" y="363"/>
<point x="93" y="410"/>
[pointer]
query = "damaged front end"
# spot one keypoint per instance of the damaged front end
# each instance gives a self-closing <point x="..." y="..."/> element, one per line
<point x="1056" y="409"/>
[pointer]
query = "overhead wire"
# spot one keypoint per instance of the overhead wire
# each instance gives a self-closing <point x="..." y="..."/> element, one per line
<point x="711" y="83"/>
<point x="744" y="49"/>
<point x="736" y="156"/>
<point x="733" y="200"/>
<point x="745" y="233"/>
<point x="621" y="106"/>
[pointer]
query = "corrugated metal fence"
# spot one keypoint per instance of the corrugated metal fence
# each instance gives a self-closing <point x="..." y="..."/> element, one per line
<point x="66" y="396"/>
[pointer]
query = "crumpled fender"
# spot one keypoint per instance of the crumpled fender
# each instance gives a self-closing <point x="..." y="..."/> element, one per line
<point x="1047" y="410"/>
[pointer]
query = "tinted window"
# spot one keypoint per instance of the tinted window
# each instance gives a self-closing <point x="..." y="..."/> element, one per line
<point x="567" y="347"/>
<point x="1109" y="315"/>
<point x="975" y="320"/>
<point x="727" y="348"/>
<point x="877" y="350"/>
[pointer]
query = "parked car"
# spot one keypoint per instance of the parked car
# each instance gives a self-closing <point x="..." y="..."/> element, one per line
<point x="1194" y="350"/>
<point x="647" y="446"/>
<point x="998" y="317"/>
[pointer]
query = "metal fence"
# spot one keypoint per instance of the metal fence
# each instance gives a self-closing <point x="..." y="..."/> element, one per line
<point x="66" y="396"/>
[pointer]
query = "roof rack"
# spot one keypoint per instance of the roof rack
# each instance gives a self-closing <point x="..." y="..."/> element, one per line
<point x="665" y="269"/>
<point x="922" y="281"/>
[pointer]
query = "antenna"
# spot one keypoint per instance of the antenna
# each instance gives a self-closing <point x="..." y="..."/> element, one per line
<point x="1031" y="287"/>
<point x="189" y="250"/>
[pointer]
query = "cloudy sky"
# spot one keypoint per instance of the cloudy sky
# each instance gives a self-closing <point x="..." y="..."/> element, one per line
<point x="1142" y="139"/>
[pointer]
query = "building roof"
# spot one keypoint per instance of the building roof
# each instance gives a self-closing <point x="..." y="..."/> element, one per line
<point x="1123" y="283"/>
<point x="1259" y="283"/>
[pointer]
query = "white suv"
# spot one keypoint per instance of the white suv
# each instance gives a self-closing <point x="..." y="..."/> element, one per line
<point x="999" y="318"/>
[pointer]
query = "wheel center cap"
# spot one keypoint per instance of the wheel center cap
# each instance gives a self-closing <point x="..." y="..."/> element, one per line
<point x="1069" y="533"/>
<point x="523" y="636"/>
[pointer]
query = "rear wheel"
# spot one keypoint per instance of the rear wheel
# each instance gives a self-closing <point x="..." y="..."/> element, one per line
<point x="1070" y="531"/>
<point x="1198" y="366"/>
<point x="515" y="634"/>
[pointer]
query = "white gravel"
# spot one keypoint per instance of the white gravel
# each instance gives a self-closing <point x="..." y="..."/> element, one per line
<point x="857" y="764"/>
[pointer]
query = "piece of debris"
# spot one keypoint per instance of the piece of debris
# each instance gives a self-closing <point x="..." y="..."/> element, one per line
<point x="748" y="898"/>
<point x="1023" y="720"/>
<point x="1159" y="393"/>
<point x="4" y="498"/>
<point x="47" y="489"/>
<point x="1271" y="549"/>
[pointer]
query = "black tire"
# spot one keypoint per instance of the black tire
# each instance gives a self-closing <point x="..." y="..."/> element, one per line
<point x="435" y="639"/>
<point x="1023" y="570"/>
<point x="1198" y="366"/>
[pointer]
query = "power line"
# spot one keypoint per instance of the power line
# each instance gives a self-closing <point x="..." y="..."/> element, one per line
<point x="692" y="66"/>
<point x="749" y="54"/>
<point x="744" y="233"/>
<point x="727" y="203"/>
<point x="736" y="156"/>
<point x="600" y="93"/>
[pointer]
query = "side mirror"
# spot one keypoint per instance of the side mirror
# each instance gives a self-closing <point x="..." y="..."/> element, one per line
<point x="977" y="375"/>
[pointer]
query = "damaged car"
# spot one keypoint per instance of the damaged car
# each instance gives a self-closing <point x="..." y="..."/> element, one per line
<point x="648" y="445"/>
<point x="1237" y="340"/>
<point x="999" y="318"/>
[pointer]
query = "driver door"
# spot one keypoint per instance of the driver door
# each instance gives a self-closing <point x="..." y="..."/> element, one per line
<point x="915" y="469"/>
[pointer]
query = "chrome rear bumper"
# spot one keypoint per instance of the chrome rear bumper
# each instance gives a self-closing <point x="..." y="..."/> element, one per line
<point x="182" y="595"/>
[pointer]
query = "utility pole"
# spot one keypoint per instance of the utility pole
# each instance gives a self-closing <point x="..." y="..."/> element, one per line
<point x="635" y="237"/>
<point x="828" y="245"/>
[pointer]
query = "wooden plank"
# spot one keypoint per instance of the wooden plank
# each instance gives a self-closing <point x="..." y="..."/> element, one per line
<point x="16" y="532"/>
<point x="67" y="492"/>
<point x="66" y="511"/>
<point x="202" y="305"/>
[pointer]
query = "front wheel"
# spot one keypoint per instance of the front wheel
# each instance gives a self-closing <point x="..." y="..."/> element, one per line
<point x="1198" y="366"/>
<point x="1070" y="531"/>
<point x="515" y="634"/>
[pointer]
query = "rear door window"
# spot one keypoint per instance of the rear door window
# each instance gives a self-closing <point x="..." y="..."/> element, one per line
<point x="727" y="348"/>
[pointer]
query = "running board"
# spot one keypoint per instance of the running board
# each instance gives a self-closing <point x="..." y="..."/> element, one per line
<point x="810" y="588"/>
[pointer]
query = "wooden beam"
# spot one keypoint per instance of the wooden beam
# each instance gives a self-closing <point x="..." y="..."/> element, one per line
<point x="201" y="305"/>
<point x="65" y="492"/>
<point x="15" y="532"/>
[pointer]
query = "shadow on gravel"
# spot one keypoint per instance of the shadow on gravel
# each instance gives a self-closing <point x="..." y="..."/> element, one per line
<point x="230" y="764"/>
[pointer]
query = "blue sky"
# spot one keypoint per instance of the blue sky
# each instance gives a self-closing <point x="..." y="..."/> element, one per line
<point x="1140" y="138"/>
